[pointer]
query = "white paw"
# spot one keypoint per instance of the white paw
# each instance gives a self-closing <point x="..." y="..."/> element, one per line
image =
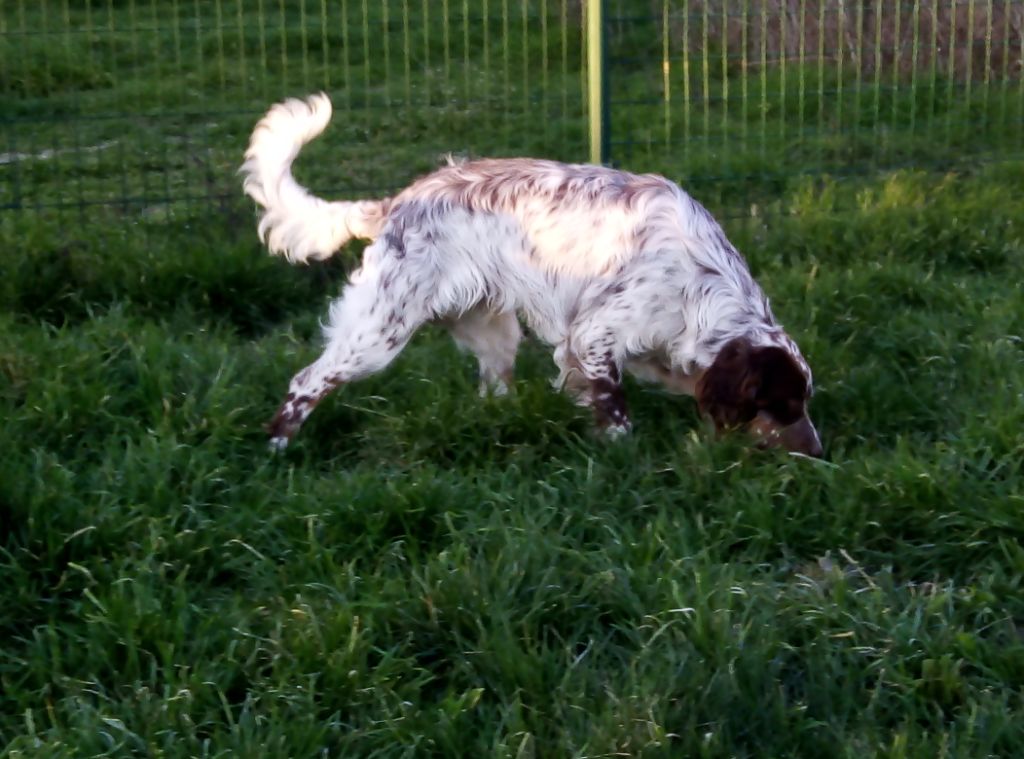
<point x="616" y="431"/>
<point x="497" y="389"/>
<point x="278" y="444"/>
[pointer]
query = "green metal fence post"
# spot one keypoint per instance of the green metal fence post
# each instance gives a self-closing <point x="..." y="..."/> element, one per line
<point x="597" y="83"/>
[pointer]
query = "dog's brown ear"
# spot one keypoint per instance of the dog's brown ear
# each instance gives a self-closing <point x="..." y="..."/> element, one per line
<point x="728" y="390"/>
<point x="783" y="386"/>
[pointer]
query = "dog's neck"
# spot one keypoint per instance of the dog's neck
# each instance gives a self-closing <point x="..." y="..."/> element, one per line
<point x="731" y="315"/>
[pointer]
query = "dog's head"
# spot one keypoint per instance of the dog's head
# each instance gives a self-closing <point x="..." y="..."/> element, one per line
<point x="763" y="390"/>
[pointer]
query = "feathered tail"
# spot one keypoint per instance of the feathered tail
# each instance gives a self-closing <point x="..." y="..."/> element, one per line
<point x="295" y="223"/>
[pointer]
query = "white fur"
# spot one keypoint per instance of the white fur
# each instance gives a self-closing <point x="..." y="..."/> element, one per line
<point x="614" y="270"/>
<point x="296" y="224"/>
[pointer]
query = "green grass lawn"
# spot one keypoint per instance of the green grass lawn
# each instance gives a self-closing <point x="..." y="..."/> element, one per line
<point x="430" y="573"/>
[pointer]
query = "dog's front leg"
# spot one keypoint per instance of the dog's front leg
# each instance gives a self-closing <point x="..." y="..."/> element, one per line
<point x="593" y="377"/>
<point x="608" y="400"/>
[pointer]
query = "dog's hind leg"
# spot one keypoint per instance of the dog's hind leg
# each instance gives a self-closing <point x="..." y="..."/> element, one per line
<point x="493" y="338"/>
<point x="305" y="391"/>
<point x="368" y="328"/>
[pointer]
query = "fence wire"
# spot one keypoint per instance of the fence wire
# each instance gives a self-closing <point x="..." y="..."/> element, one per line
<point x="141" y="109"/>
<point x="145" y="106"/>
<point x="741" y="97"/>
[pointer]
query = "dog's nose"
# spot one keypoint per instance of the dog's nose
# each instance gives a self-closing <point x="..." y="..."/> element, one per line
<point x="801" y="437"/>
<point x="815" y="449"/>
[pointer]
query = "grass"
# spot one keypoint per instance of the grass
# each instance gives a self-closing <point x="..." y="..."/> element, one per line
<point x="430" y="573"/>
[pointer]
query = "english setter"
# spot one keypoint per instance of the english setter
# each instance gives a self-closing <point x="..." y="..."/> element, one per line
<point x="616" y="271"/>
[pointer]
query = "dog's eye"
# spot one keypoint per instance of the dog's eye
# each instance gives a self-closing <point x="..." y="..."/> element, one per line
<point x="788" y="411"/>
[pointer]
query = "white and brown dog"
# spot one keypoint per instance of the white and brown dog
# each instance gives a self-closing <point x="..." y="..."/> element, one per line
<point x="616" y="271"/>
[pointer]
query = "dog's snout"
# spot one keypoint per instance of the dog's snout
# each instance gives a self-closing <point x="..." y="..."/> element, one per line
<point x="802" y="437"/>
<point x="814" y="448"/>
<point x="799" y="437"/>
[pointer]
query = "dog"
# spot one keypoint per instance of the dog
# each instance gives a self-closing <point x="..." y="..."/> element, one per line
<point x="617" y="271"/>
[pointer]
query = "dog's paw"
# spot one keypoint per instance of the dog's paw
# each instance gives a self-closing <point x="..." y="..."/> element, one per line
<point x="497" y="389"/>
<point x="617" y="431"/>
<point x="278" y="443"/>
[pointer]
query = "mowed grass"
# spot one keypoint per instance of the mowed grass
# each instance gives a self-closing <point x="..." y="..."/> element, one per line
<point x="430" y="573"/>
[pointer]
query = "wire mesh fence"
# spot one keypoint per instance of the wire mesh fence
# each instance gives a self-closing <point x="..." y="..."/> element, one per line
<point x="145" y="106"/>
<point x="741" y="97"/>
<point x="141" y="109"/>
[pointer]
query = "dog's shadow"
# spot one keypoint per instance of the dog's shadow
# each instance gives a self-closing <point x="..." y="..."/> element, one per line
<point x="426" y="409"/>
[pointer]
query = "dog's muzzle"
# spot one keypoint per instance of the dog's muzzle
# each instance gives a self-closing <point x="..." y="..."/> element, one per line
<point x="799" y="437"/>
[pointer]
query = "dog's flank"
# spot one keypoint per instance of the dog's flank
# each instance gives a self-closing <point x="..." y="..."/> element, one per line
<point x="617" y="271"/>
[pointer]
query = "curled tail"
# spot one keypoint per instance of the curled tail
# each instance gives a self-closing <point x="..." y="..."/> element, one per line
<point x="295" y="223"/>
